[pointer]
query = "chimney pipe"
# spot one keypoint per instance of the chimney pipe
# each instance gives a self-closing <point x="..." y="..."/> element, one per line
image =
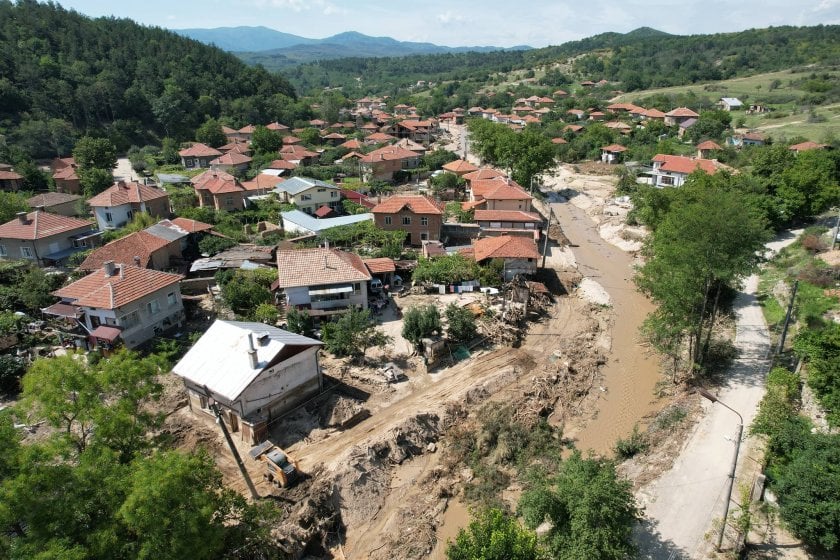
<point x="252" y="352"/>
<point x="108" y="266"/>
<point x="21" y="216"/>
<point x="136" y="261"/>
<point x="122" y="271"/>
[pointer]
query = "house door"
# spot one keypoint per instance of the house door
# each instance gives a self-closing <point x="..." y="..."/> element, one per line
<point x="234" y="422"/>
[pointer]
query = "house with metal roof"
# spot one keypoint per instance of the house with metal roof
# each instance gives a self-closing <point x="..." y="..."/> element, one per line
<point x="253" y="372"/>
<point x="309" y="194"/>
<point x="295" y="221"/>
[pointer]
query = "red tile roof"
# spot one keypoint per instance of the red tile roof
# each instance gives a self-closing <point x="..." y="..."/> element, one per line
<point x="312" y="267"/>
<point x="558" y="141"/>
<point x="281" y="164"/>
<point x="127" y="284"/>
<point x="809" y="145"/>
<point x="191" y="226"/>
<point x="686" y="165"/>
<point x="379" y="137"/>
<point x="352" y="144"/>
<point x="573" y="127"/>
<point x="231" y="158"/>
<point x="40" y="225"/>
<point x="460" y="167"/>
<point x="498" y="189"/>
<point x="291" y="140"/>
<point x="388" y="153"/>
<point x="358" y="198"/>
<point x="380" y="265"/>
<point x="483" y="173"/>
<point x="199" y="150"/>
<point x="262" y="181"/>
<point x="324" y="211"/>
<point x="505" y="247"/>
<point x="51" y="199"/>
<point x="247" y="129"/>
<point x="334" y="136"/>
<point x="653" y="114"/>
<point x="614" y="148"/>
<point x="682" y="112"/>
<point x="506" y="216"/>
<point x="415" y="203"/>
<point x="127" y="193"/>
<point x="10" y="176"/>
<point x="217" y="182"/>
<point x="708" y="145"/>
<point x="66" y="174"/>
<point x="140" y="244"/>
<point x="276" y="126"/>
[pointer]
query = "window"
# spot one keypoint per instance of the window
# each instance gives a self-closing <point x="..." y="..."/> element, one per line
<point x="424" y="221"/>
<point x="188" y="163"/>
<point x="387" y="220"/>
<point x="153" y="307"/>
<point x="322" y="190"/>
<point x="26" y="252"/>
<point x="666" y="180"/>
<point x="406" y="220"/>
<point x="228" y="201"/>
<point x="333" y="194"/>
<point x="424" y="236"/>
<point x="306" y="197"/>
<point x="357" y="287"/>
<point x="130" y="214"/>
<point x="108" y="217"/>
<point x="130" y="320"/>
<point x="171" y="299"/>
<point x="3" y="252"/>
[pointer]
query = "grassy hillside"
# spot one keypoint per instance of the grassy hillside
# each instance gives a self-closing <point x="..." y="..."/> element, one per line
<point x="63" y="75"/>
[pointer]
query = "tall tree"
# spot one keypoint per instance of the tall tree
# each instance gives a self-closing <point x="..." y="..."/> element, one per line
<point x="493" y="535"/>
<point x="210" y="133"/>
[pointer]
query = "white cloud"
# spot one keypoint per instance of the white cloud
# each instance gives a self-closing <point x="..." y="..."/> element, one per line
<point x="448" y="17"/>
<point x="826" y="5"/>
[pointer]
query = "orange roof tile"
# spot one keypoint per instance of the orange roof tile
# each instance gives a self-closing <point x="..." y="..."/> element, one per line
<point x="505" y="247"/>
<point x="199" y="150"/>
<point x="217" y="182"/>
<point x="483" y="174"/>
<point x="682" y="112"/>
<point x="809" y="145"/>
<point x="231" y="158"/>
<point x="127" y="284"/>
<point x="191" y="226"/>
<point x="281" y="164"/>
<point x="140" y="244"/>
<point x="686" y="165"/>
<point x="352" y="144"/>
<point x="615" y="148"/>
<point x="558" y="141"/>
<point x="417" y="204"/>
<point x="506" y="216"/>
<point x="708" y="145"/>
<point x="653" y="114"/>
<point x="380" y="265"/>
<point x="126" y="193"/>
<point x="388" y="153"/>
<point x="311" y="267"/>
<point x="498" y="189"/>
<point x="40" y="225"/>
<point x="460" y="167"/>
<point x="262" y="181"/>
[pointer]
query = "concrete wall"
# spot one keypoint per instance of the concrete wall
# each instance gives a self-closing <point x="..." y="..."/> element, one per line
<point x="300" y="296"/>
<point x="519" y="266"/>
<point x="318" y="196"/>
<point x="415" y="229"/>
<point x="524" y="205"/>
<point x="38" y="248"/>
<point x="278" y="388"/>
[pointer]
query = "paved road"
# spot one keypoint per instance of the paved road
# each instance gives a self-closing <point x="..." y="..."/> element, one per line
<point x="683" y="504"/>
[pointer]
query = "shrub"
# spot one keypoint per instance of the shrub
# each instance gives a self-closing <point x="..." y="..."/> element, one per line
<point x="633" y="445"/>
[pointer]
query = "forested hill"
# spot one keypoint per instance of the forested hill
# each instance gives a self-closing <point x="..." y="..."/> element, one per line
<point x="639" y="59"/>
<point x="63" y="75"/>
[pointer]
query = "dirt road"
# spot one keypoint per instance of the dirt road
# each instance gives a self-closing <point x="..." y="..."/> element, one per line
<point x="685" y="502"/>
<point x="630" y="375"/>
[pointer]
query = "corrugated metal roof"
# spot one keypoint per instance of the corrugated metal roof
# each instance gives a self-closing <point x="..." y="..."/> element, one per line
<point x="220" y="358"/>
<point x="316" y="225"/>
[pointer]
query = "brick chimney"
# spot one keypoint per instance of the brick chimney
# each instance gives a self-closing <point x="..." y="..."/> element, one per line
<point x="21" y="216"/>
<point x="109" y="268"/>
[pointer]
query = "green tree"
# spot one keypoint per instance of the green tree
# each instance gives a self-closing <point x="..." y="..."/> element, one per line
<point x="298" y="321"/>
<point x="461" y="323"/>
<point x="211" y="244"/>
<point x="419" y="323"/>
<point x="352" y="334"/>
<point x="821" y="349"/>
<point x="493" y="535"/>
<point x="265" y="141"/>
<point x="592" y="510"/>
<point x="95" y="153"/>
<point x="449" y="269"/>
<point x="810" y="185"/>
<point x="35" y="287"/>
<point x="266" y="313"/>
<point x="10" y="204"/>
<point x="447" y="181"/>
<point x="809" y="492"/>
<point x="247" y="290"/>
<point x="210" y="133"/>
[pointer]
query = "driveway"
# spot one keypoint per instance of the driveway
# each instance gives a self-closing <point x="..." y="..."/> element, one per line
<point x="687" y="501"/>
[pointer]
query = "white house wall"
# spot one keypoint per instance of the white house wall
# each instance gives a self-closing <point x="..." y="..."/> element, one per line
<point x="279" y="384"/>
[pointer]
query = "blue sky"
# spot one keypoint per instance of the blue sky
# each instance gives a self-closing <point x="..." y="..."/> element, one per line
<point x="471" y="22"/>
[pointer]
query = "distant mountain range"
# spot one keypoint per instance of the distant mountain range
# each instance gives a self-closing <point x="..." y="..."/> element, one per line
<point x="254" y="44"/>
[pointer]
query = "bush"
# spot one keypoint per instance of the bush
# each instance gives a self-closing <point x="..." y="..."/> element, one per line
<point x="266" y="313"/>
<point x="635" y="444"/>
<point x="12" y="369"/>
<point x="461" y="323"/>
<point x="213" y="244"/>
<point x="419" y="323"/>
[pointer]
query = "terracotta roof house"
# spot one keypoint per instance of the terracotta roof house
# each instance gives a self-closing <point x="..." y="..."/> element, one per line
<point x="334" y="138"/>
<point x="653" y="114"/>
<point x="358" y="198"/>
<point x="191" y="226"/>
<point x="417" y="215"/>
<point x="672" y="171"/>
<point x="46" y="239"/>
<point x="282" y="165"/>
<point x="253" y="372"/>
<point x="559" y="140"/>
<point x="238" y="146"/>
<point x="352" y="144"/>
<point x="460" y="167"/>
<point x="231" y="161"/>
<point x="419" y="131"/>
<point x="198" y="155"/>
<point x="261" y="184"/>
<point x="298" y="154"/>
<point x="746" y="139"/>
<point x="277" y="127"/>
<point x="118" y="204"/>
<point x="141" y="248"/>
<point x="508" y="222"/>
<point x="483" y="174"/>
<point x="809" y="145"/>
<point x="679" y="115"/>
<point x="126" y="302"/>
<point x="378" y="138"/>
<point x="230" y="133"/>
<point x="612" y="153"/>
<point x="322" y="281"/>
<point x="500" y="193"/>
<point x="219" y="190"/>
<point x="621" y="127"/>
<point x="576" y="113"/>
<point x="705" y="149"/>
<point x="58" y="203"/>
<point x="246" y="132"/>
<point x="291" y="140"/>
<point x="572" y="128"/>
<point x="383" y="163"/>
<point x="411" y="145"/>
<point x="10" y="181"/>
<point x="519" y="254"/>
<point x="65" y="177"/>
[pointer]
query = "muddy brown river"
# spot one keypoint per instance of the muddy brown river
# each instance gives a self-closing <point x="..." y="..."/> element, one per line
<point x="630" y="375"/>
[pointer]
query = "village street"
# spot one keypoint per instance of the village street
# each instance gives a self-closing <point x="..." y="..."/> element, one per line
<point x="686" y="503"/>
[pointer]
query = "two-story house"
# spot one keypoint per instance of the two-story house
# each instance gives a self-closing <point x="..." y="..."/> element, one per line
<point x="309" y="194"/>
<point x="417" y="215"/>
<point x="47" y="239"/>
<point x="231" y="161"/>
<point x="520" y="254"/>
<point x="198" y="155"/>
<point x="254" y="373"/>
<point x="508" y="222"/>
<point x="322" y="281"/>
<point x="219" y="190"/>
<point x="118" y="204"/>
<point x="141" y="248"/>
<point x="383" y="163"/>
<point x="58" y="203"/>
<point x="10" y="181"/>
<point x="65" y="177"/>
<point x="500" y="193"/>
<point x="679" y="116"/>
<point x="672" y="171"/>
<point x="125" y="302"/>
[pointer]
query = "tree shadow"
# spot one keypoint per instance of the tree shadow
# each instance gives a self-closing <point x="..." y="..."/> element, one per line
<point x="651" y="544"/>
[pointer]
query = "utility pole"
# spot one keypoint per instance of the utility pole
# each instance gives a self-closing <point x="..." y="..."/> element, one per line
<point x="221" y="421"/>
<point x="781" y="345"/>
<point x="836" y="231"/>
<point x="547" y="228"/>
